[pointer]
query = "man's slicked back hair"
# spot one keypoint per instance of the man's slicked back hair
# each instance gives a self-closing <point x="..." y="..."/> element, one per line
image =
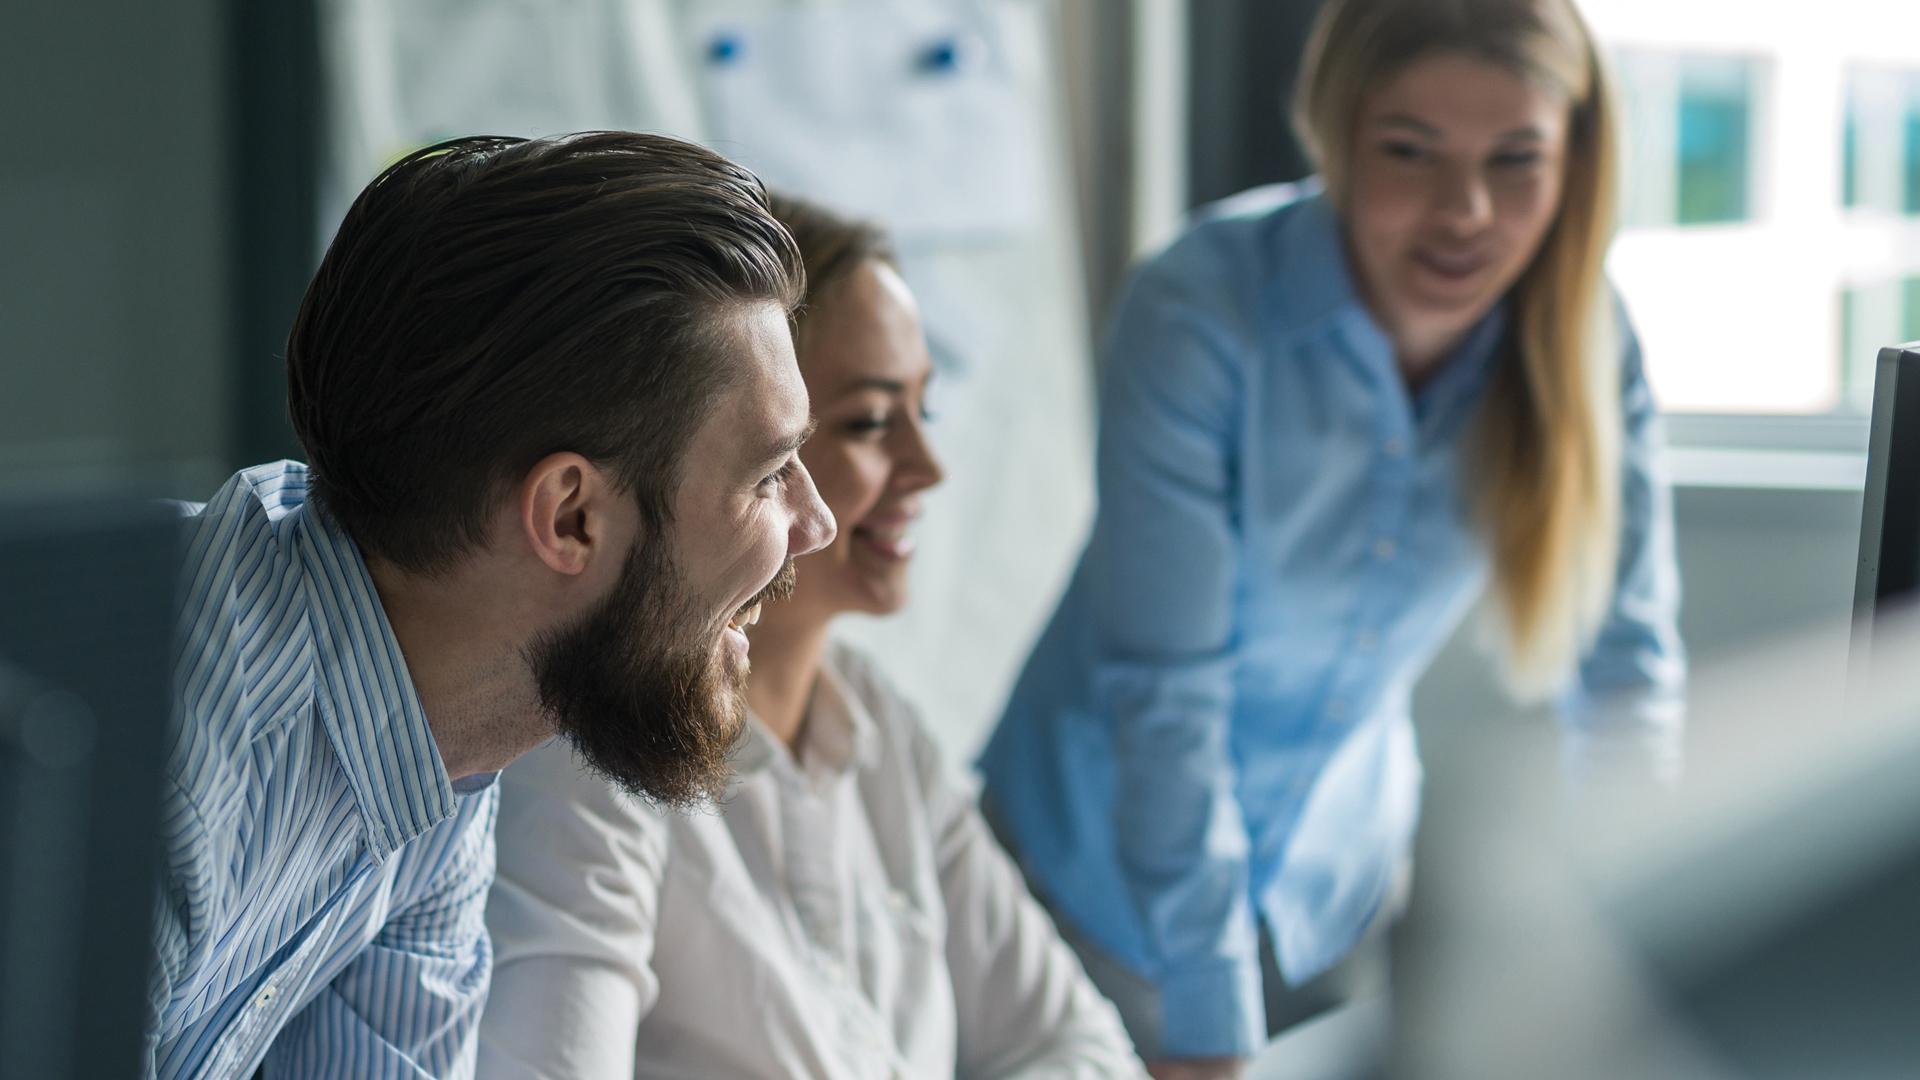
<point x="489" y="301"/>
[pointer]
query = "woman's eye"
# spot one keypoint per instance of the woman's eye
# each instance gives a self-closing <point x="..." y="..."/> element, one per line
<point x="1405" y="151"/>
<point x="1518" y="159"/>
<point x="866" y="425"/>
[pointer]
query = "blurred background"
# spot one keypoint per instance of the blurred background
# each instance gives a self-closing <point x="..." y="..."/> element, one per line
<point x="170" y="174"/>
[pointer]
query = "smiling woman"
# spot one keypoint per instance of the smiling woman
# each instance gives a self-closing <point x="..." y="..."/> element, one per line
<point x="1334" y="417"/>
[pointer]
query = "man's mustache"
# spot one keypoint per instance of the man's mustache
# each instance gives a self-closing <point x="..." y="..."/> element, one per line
<point x="780" y="588"/>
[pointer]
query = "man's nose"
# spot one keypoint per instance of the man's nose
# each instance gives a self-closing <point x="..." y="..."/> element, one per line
<point x="813" y="524"/>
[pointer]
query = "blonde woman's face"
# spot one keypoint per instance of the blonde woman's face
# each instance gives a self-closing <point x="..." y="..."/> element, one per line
<point x="1454" y="181"/>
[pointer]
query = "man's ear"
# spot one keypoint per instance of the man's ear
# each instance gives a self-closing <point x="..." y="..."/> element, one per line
<point x="565" y="504"/>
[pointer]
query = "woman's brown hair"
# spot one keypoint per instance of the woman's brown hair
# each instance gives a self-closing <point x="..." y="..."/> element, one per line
<point x="831" y="247"/>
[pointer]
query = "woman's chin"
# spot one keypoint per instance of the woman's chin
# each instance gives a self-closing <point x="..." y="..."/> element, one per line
<point x="879" y="600"/>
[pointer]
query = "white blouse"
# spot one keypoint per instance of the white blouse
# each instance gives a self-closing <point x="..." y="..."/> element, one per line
<point x="843" y="914"/>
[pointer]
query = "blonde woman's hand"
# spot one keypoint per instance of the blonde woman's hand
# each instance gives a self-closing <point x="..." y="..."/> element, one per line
<point x="1213" y="1068"/>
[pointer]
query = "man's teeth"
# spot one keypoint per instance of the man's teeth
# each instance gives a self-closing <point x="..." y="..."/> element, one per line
<point x="746" y="618"/>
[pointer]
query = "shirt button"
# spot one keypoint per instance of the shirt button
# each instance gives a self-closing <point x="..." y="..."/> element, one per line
<point x="1384" y="549"/>
<point x="1394" y="448"/>
<point x="263" y="998"/>
<point x="1366" y="641"/>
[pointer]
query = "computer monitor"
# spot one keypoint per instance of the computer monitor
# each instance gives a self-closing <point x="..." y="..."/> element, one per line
<point x="86" y="593"/>
<point x="1889" y="570"/>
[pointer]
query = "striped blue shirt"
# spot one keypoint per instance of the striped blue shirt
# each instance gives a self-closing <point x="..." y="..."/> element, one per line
<point x="324" y="884"/>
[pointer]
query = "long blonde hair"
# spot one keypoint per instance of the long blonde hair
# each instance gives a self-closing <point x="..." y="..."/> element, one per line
<point x="1545" y="461"/>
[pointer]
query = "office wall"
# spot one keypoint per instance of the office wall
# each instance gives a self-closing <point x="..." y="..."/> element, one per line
<point x="113" y="321"/>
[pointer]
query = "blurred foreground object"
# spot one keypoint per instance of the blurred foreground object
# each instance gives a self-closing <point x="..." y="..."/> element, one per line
<point x="1755" y="922"/>
<point x="85" y="617"/>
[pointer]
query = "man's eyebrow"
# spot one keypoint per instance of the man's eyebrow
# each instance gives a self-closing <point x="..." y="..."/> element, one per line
<point x="792" y="442"/>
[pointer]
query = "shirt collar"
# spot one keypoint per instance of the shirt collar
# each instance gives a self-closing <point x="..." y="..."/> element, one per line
<point x="1458" y="381"/>
<point x="1314" y="287"/>
<point x="473" y="785"/>
<point x="1313" y="280"/>
<point x="839" y="735"/>
<point x="366" y="696"/>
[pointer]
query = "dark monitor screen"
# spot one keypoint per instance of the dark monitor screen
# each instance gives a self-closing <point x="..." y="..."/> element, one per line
<point x="86" y="595"/>
<point x="1889" y="571"/>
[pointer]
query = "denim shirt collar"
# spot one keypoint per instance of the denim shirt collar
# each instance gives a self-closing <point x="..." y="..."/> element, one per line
<point x="1313" y="290"/>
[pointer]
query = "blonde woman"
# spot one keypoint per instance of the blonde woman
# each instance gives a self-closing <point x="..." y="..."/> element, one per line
<point x="1333" y="417"/>
<point x="845" y="912"/>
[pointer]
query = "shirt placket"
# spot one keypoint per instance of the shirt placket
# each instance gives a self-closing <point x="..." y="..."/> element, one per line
<point x="266" y="1011"/>
<point x="817" y="887"/>
<point x="1386" y="549"/>
<point x="269" y="1007"/>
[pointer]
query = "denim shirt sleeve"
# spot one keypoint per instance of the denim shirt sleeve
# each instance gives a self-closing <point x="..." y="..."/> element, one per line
<point x="1164" y="560"/>
<point x="1626" y="705"/>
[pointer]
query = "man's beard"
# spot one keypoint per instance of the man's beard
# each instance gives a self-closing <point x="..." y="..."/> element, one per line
<point x="641" y="688"/>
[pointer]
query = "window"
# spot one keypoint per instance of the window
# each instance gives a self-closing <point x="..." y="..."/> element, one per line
<point x="1698" y="236"/>
<point x="1716" y="106"/>
<point x="1873" y="316"/>
<point x="1880" y="190"/>
<point x="1688" y="126"/>
<point x="1770" y="225"/>
<point x="1882" y="145"/>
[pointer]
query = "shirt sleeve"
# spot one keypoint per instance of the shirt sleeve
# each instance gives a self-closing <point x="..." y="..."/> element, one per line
<point x="1626" y="707"/>
<point x="409" y="1004"/>
<point x="1024" y="1007"/>
<point x="1164" y="559"/>
<point x="572" y="916"/>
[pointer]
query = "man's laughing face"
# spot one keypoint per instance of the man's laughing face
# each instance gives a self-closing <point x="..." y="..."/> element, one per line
<point x="649" y="685"/>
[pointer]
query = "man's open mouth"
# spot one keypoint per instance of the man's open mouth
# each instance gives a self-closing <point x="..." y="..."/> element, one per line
<point x="745" y="617"/>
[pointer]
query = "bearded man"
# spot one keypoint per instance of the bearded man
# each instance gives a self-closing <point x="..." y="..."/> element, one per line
<point x="547" y="394"/>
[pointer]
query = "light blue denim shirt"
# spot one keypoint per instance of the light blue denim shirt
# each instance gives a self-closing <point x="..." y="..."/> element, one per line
<point x="1214" y="731"/>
